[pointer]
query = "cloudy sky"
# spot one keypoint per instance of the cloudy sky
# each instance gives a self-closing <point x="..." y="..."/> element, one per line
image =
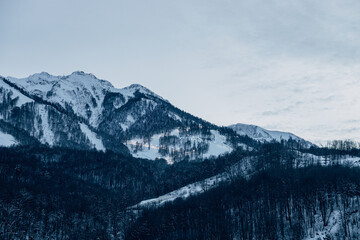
<point x="280" y="64"/>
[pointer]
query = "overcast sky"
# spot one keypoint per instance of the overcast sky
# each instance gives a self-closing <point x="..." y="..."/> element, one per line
<point x="281" y="64"/>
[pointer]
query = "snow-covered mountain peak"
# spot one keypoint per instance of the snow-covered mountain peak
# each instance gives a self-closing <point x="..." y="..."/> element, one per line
<point x="81" y="73"/>
<point x="133" y="88"/>
<point x="40" y="75"/>
<point x="88" y="78"/>
<point x="264" y="135"/>
<point x="47" y="81"/>
<point x="82" y="92"/>
<point x="139" y="87"/>
<point x="37" y="84"/>
<point x="48" y="86"/>
<point x="252" y="131"/>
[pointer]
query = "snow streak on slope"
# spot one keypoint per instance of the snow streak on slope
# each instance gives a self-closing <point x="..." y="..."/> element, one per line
<point x="92" y="137"/>
<point x="242" y="168"/>
<point x="7" y="140"/>
<point x="184" y="192"/>
<point x="47" y="134"/>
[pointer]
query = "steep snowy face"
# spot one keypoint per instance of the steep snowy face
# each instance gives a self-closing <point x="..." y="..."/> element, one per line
<point x="265" y="135"/>
<point x="79" y="92"/>
<point x="82" y="93"/>
<point x="37" y="84"/>
<point x="33" y="121"/>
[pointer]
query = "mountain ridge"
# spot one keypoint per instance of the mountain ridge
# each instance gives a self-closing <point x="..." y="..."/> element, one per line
<point x="265" y="135"/>
<point x="86" y="112"/>
<point x="81" y="110"/>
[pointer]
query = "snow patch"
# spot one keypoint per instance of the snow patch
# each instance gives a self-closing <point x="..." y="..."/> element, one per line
<point x="174" y="116"/>
<point x="218" y="146"/>
<point x="325" y="232"/>
<point x="143" y="148"/>
<point x="7" y="140"/>
<point x="48" y="135"/>
<point x="184" y="192"/>
<point x="91" y="136"/>
<point x="129" y="121"/>
<point x="149" y="148"/>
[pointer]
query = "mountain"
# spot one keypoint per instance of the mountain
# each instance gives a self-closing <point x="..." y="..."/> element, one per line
<point x="264" y="135"/>
<point x="84" y="112"/>
<point x="307" y="203"/>
<point x="263" y="189"/>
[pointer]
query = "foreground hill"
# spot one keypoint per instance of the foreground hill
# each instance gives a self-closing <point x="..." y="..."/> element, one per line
<point x="312" y="203"/>
<point x="269" y="193"/>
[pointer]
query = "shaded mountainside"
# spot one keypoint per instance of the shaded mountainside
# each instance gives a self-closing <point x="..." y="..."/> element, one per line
<point x="270" y="193"/>
<point x="84" y="112"/>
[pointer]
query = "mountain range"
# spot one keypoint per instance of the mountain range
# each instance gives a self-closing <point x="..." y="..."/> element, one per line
<point x="84" y="112"/>
<point x="81" y="159"/>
